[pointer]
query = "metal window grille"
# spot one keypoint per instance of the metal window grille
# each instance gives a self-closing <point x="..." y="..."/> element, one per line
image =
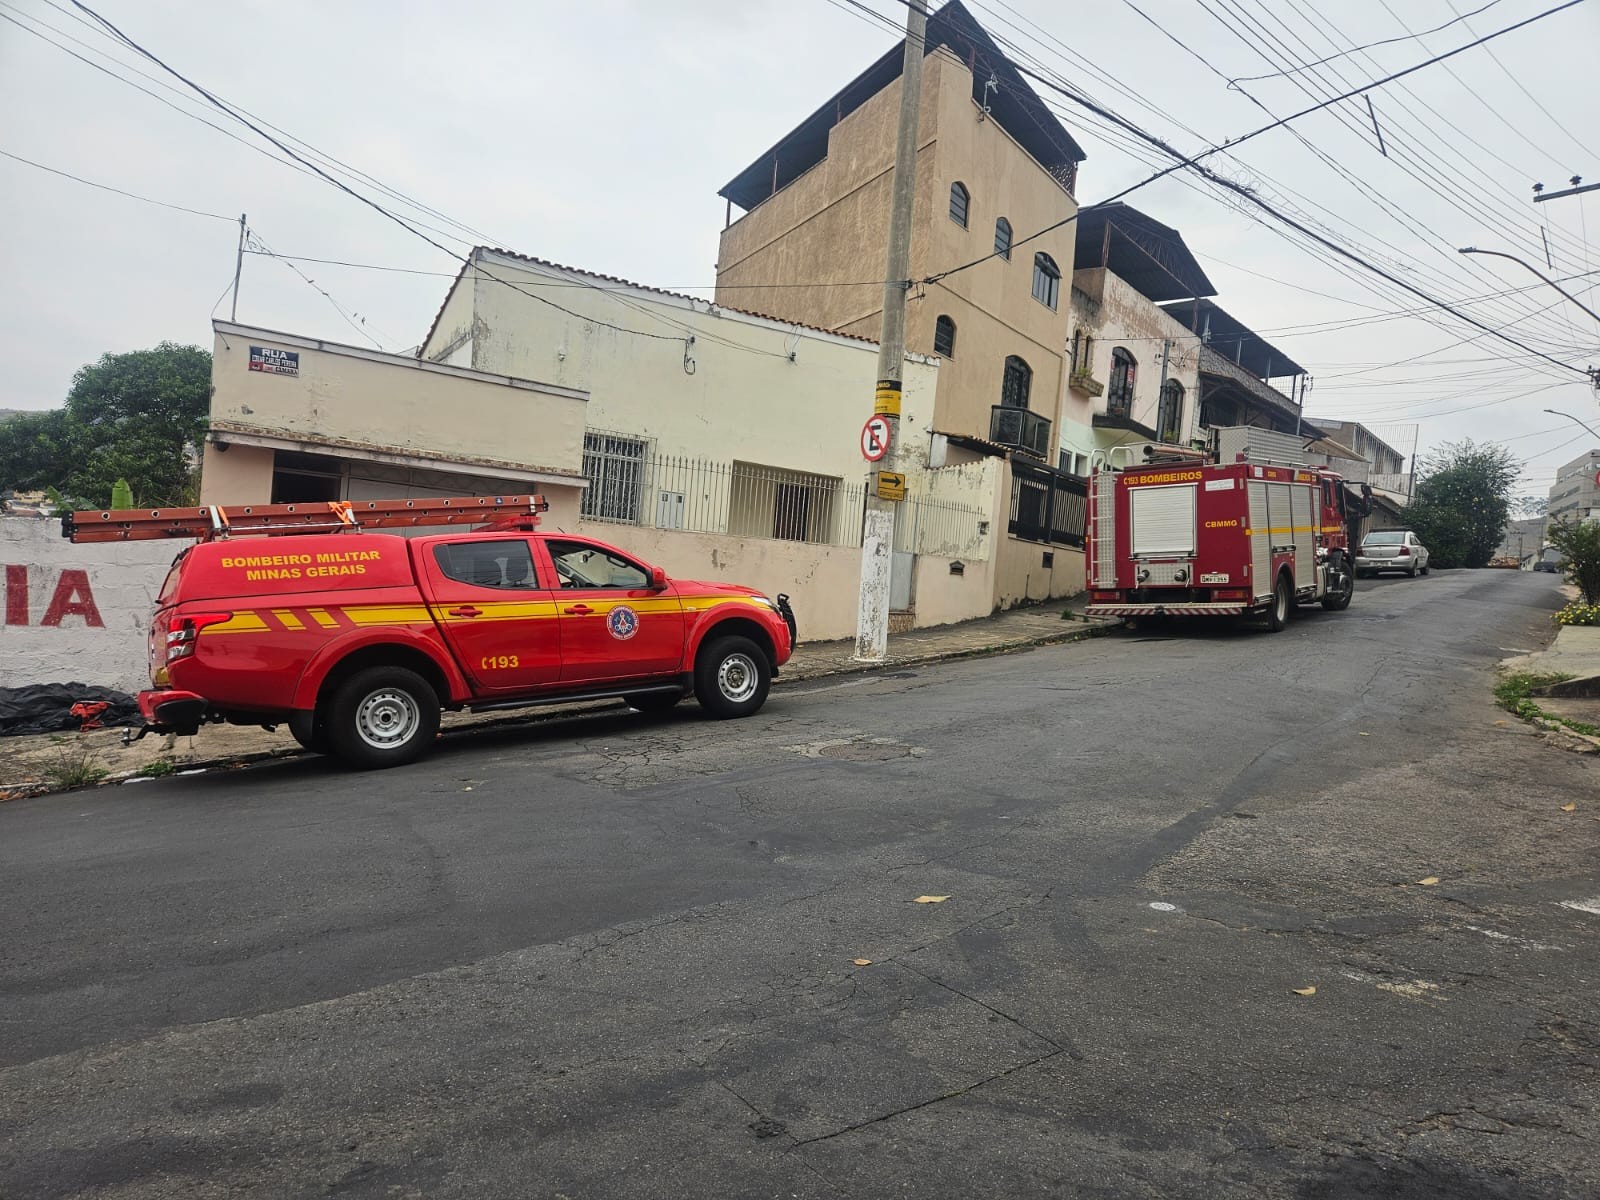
<point x="1047" y="505"/>
<point x="944" y="337"/>
<point x="1015" y="383"/>
<point x="959" y="200"/>
<point x="1168" y="425"/>
<point x="1119" y="396"/>
<point x="1002" y="238"/>
<point x="614" y="467"/>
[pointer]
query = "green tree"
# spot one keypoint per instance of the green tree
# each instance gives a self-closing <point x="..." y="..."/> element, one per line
<point x="1579" y="543"/>
<point x="1462" y="502"/>
<point x="139" y="416"/>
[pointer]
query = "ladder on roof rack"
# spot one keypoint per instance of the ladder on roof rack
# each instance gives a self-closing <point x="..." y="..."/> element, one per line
<point x="214" y="521"/>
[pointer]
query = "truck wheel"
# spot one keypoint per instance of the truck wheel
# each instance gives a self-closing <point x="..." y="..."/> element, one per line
<point x="311" y="731"/>
<point x="383" y="717"/>
<point x="1342" y="589"/>
<point x="731" y="677"/>
<point x="1278" y="612"/>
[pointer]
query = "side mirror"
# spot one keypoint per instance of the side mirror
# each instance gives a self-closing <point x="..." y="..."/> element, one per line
<point x="658" y="579"/>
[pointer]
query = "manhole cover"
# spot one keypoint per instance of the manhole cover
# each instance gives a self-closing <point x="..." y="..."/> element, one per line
<point x="865" y="751"/>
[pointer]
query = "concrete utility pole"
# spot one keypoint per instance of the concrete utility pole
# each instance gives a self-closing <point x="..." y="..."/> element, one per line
<point x="877" y="535"/>
<point x="238" y="268"/>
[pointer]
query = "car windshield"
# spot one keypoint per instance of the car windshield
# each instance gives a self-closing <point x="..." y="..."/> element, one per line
<point x="1390" y="537"/>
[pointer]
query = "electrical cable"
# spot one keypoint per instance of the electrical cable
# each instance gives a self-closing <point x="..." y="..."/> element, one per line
<point x="1409" y="37"/>
<point x="106" y="187"/>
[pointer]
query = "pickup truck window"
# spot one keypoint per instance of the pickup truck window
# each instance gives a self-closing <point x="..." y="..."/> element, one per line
<point x="580" y="565"/>
<point x="502" y="563"/>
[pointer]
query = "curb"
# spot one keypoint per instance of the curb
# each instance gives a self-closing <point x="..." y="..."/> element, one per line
<point x="533" y="716"/>
<point x="1583" y="688"/>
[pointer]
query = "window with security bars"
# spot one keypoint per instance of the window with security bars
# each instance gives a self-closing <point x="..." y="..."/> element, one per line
<point x="614" y="467"/>
<point x="944" y="337"/>
<point x="1119" y="396"/>
<point x="1015" y="383"/>
<point x="1002" y="238"/>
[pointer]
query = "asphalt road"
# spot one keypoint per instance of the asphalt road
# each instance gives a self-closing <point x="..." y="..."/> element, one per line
<point x="616" y="957"/>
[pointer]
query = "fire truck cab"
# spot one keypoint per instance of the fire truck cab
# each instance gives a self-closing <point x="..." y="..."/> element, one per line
<point x="1245" y="527"/>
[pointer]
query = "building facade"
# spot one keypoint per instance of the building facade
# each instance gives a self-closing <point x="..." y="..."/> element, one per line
<point x="296" y="418"/>
<point x="994" y="167"/>
<point x="1575" y="495"/>
<point x="1132" y="367"/>
<point x="722" y="443"/>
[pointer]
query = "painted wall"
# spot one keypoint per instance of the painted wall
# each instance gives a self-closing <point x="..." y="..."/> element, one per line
<point x="76" y="614"/>
<point x="829" y="224"/>
<point x="345" y="395"/>
<point x="1021" y="576"/>
<point x="749" y="388"/>
<point x="1108" y="309"/>
<point x="821" y="581"/>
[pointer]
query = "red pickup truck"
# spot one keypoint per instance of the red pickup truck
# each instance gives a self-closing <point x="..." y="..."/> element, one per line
<point x="357" y="640"/>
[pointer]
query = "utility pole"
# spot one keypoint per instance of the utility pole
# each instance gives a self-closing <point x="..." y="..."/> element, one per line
<point x="877" y="535"/>
<point x="238" y="269"/>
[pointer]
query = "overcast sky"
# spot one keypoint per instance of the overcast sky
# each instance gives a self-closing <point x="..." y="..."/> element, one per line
<point x="597" y="134"/>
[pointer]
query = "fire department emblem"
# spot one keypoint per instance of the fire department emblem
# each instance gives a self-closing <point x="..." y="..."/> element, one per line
<point x="623" y="622"/>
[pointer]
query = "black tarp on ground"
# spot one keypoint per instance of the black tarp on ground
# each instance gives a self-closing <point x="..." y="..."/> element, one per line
<point x="47" y="708"/>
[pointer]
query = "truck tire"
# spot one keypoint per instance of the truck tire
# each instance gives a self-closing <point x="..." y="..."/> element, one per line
<point x="311" y="731"/>
<point x="1338" y="596"/>
<point x="383" y="717"/>
<point x="1278" y="610"/>
<point x="731" y="677"/>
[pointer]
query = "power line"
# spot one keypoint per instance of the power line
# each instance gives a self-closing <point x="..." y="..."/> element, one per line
<point x="1410" y="37"/>
<point x="106" y="187"/>
<point x="354" y="320"/>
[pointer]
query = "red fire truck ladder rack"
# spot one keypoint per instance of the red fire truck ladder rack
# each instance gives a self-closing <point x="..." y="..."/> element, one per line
<point x="329" y="516"/>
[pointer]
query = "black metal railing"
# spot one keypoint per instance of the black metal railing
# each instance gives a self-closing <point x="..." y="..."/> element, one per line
<point x="1026" y="431"/>
<point x="1048" y="505"/>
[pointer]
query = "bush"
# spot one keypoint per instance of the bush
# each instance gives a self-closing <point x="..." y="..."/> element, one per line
<point x="1578" y="613"/>
<point x="1579" y="543"/>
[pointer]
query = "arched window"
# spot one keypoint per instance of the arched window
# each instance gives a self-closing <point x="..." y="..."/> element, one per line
<point x="1119" y="395"/>
<point x="1002" y="238"/>
<point x="1046" y="280"/>
<point x="959" y="199"/>
<point x="944" y="337"/>
<point x="1015" y="383"/>
<point x="1169" y="425"/>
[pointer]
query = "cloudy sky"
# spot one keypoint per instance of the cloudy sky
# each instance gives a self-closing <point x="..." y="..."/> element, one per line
<point x="596" y="133"/>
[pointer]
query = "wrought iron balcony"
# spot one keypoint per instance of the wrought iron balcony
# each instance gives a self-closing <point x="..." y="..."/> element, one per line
<point x="1026" y="431"/>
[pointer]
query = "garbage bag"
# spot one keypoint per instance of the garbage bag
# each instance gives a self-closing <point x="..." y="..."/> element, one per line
<point x="48" y="708"/>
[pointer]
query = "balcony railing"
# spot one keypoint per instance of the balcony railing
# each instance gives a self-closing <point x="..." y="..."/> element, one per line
<point x="1017" y="427"/>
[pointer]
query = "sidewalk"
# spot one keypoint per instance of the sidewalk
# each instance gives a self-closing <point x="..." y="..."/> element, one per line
<point x="50" y="762"/>
<point x="1575" y="653"/>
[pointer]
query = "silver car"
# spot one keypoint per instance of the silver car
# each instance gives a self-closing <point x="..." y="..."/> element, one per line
<point x="1392" y="550"/>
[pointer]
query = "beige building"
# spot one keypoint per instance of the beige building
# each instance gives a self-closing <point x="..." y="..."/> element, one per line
<point x="994" y="167"/>
<point x="296" y="418"/>
<point x="994" y="198"/>
<point x="722" y="443"/>
<point x="1575" y="495"/>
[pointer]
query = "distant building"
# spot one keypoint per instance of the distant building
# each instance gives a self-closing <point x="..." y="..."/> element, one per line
<point x="1575" y="495"/>
<point x="1238" y="368"/>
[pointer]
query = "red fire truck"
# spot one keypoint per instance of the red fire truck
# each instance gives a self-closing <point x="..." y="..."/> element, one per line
<point x="356" y="640"/>
<point x="1241" y="528"/>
